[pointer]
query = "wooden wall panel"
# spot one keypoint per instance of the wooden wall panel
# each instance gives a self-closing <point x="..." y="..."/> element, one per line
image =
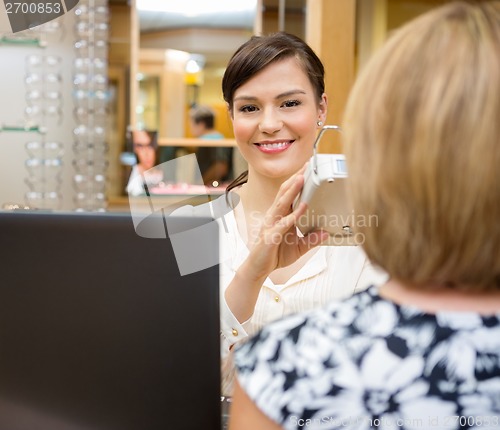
<point x="330" y="30"/>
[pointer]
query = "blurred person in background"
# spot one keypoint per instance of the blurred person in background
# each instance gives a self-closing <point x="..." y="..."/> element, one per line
<point x="145" y="147"/>
<point x="215" y="162"/>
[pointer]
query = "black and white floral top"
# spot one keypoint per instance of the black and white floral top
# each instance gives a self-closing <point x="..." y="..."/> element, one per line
<point x="366" y="363"/>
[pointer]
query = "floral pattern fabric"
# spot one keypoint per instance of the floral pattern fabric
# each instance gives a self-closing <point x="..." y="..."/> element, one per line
<point x="366" y="362"/>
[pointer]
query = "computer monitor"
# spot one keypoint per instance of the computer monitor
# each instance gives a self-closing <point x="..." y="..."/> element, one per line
<point x="98" y="329"/>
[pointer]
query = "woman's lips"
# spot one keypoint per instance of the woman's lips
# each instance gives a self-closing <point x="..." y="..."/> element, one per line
<point x="275" y="146"/>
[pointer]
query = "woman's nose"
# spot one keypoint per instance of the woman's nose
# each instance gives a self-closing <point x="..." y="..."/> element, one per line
<point x="270" y="122"/>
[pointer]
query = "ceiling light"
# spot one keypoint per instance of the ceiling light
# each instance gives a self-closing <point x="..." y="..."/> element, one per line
<point x="196" y="7"/>
<point x="192" y="66"/>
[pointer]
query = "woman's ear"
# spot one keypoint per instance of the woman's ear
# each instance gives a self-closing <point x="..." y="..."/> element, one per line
<point x="323" y="108"/>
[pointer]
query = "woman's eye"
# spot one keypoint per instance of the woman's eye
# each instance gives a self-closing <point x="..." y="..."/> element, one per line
<point x="248" y="108"/>
<point x="291" y="103"/>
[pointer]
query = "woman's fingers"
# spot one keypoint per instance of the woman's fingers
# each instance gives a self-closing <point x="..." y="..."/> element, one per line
<point x="273" y="232"/>
<point x="279" y="245"/>
<point x="289" y="190"/>
<point x="291" y="219"/>
<point x="283" y="229"/>
<point x="282" y="204"/>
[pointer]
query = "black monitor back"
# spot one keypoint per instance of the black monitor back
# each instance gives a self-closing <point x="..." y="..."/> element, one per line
<point x="98" y="330"/>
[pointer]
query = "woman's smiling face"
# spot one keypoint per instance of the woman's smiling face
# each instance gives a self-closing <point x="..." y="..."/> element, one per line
<point x="275" y="118"/>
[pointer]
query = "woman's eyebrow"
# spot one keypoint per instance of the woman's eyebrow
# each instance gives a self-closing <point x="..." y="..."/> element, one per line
<point x="289" y="93"/>
<point x="245" y="98"/>
<point x="279" y="96"/>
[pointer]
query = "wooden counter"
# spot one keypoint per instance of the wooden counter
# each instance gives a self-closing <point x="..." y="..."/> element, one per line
<point x="190" y="142"/>
<point x="147" y="204"/>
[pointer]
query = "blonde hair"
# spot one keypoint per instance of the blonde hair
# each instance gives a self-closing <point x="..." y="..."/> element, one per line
<point x="422" y="134"/>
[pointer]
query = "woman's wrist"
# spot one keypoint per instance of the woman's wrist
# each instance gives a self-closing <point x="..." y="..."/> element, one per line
<point x="243" y="291"/>
<point x="252" y="277"/>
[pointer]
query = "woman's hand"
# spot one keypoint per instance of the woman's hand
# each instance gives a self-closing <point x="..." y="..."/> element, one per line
<point x="278" y="244"/>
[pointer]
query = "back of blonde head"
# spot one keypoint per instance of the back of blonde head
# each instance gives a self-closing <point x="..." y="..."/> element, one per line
<point x="422" y="134"/>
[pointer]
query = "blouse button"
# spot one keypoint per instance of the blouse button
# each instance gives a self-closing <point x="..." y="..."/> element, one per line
<point x="277" y="299"/>
<point x="235" y="332"/>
